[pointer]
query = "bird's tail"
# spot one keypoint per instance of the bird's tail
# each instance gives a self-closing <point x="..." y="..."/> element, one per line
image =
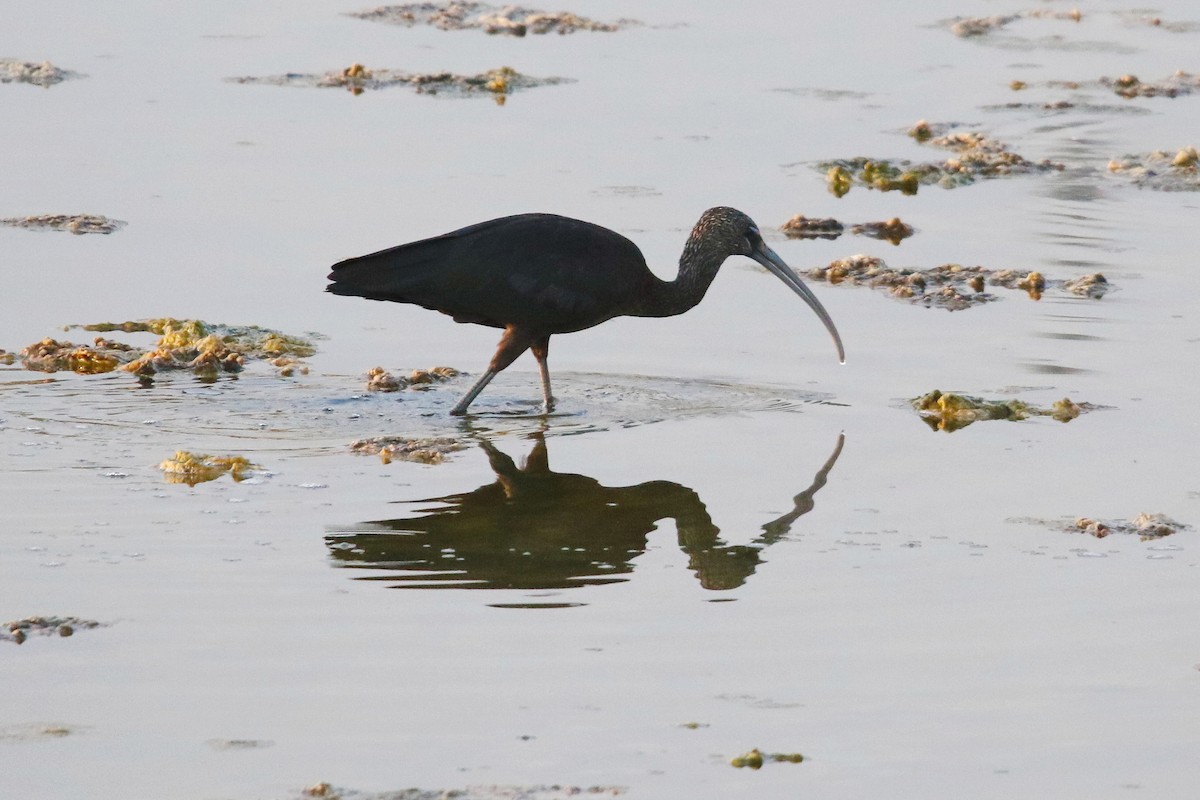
<point x="392" y="274"/>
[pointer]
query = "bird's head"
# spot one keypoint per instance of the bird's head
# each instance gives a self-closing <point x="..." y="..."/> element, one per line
<point x="732" y="233"/>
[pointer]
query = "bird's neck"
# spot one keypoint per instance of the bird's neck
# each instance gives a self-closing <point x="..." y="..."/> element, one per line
<point x="697" y="269"/>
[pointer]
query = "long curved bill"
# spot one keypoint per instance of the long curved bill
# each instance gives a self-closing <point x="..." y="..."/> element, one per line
<point x="769" y="259"/>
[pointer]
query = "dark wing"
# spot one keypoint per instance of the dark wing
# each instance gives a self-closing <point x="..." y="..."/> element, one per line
<point x="543" y="272"/>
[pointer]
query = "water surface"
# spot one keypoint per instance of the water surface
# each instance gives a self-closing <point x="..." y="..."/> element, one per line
<point x="903" y="624"/>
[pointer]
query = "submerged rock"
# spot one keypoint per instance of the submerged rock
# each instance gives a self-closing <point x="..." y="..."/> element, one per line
<point x="509" y="20"/>
<point x="72" y="223"/>
<point x="947" y="411"/>
<point x="356" y="78"/>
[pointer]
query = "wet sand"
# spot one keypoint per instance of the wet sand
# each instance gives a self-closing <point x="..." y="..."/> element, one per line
<point x="913" y="616"/>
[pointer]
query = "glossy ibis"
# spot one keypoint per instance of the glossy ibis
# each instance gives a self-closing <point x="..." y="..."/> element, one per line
<point x="535" y="275"/>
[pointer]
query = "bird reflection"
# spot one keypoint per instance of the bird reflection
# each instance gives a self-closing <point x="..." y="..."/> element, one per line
<point x="537" y="529"/>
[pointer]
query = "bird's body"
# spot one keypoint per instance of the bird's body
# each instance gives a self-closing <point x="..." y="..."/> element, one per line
<point x="540" y="272"/>
<point x="535" y="275"/>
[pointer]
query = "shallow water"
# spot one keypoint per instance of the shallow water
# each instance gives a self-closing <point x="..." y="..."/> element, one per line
<point x="923" y="626"/>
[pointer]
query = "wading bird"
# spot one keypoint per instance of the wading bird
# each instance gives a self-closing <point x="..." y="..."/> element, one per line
<point x="535" y="275"/>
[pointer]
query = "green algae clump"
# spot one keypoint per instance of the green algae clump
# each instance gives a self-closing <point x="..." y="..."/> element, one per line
<point x="52" y="355"/>
<point x="193" y="344"/>
<point x="839" y="179"/>
<point x="754" y="759"/>
<point x="380" y="380"/>
<point x="432" y="450"/>
<point x="71" y="223"/>
<point x="192" y="468"/>
<point x="894" y="230"/>
<point x="19" y="630"/>
<point x="952" y="287"/>
<point x="1146" y="527"/>
<point x="498" y="83"/>
<point x="1163" y="170"/>
<point x="802" y="227"/>
<point x="949" y="412"/>
<point x="976" y="155"/>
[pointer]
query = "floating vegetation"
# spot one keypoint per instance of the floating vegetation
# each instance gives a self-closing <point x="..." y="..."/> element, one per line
<point x="947" y="411"/>
<point x="1094" y="285"/>
<point x="190" y="344"/>
<point x="380" y="380"/>
<point x="754" y="759"/>
<point x="1129" y="86"/>
<point x="72" y="223"/>
<point x="976" y="156"/>
<point x="1146" y="526"/>
<point x="326" y="791"/>
<point x="1154" y="21"/>
<point x="249" y="340"/>
<point x="801" y="227"/>
<point x="356" y="78"/>
<point x="1067" y="105"/>
<point x="239" y="744"/>
<point x="52" y="355"/>
<point x="509" y="20"/>
<point x="978" y="26"/>
<point x="432" y="450"/>
<point x="35" y="731"/>
<point x="20" y="630"/>
<point x="44" y="74"/>
<point x="192" y="468"/>
<point x="893" y="230"/>
<point x="841" y="175"/>
<point x="1162" y="169"/>
<point x="967" y="27"/>
<point x="950" y="286"/>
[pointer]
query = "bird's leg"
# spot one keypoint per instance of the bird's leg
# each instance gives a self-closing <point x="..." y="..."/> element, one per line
<point x="460" y="407"/>
<point x="541" y="350"/>
<point x="512" y="344"/>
